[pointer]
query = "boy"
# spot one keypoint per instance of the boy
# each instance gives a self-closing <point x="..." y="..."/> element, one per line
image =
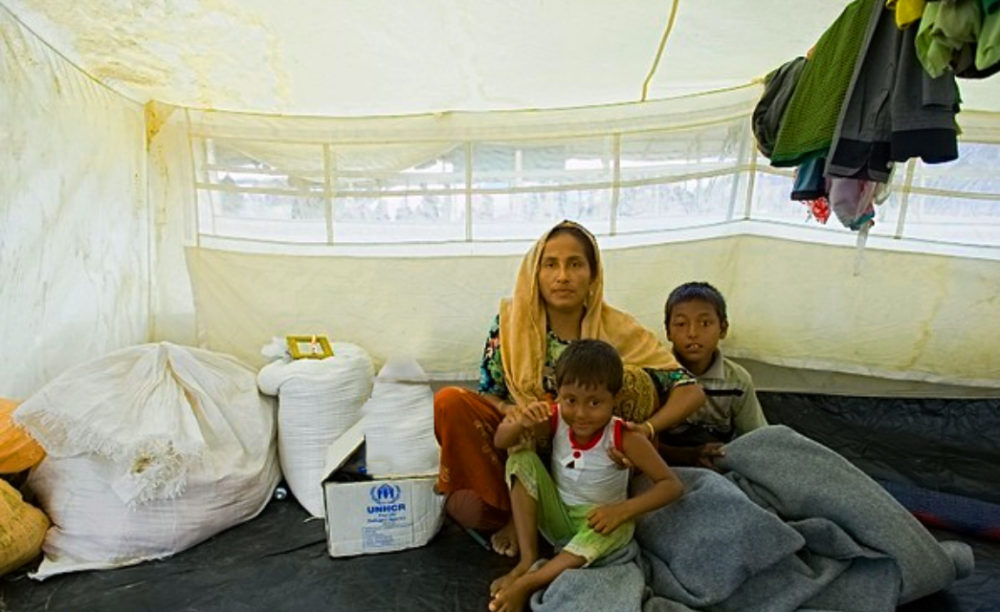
<point x="695" y="320"/>
<point x="583" y="506"/>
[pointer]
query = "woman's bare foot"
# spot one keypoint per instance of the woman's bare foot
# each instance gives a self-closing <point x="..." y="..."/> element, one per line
<point x="504" y="541"/>
<point x="501" y="583"/>
<point x="510" y="598"/>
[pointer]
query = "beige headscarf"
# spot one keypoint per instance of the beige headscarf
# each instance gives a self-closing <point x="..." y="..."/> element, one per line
<point x="523" y="328"/>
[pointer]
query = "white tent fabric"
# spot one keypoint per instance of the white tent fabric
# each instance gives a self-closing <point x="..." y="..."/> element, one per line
<point x="909" y="316"/>
<point x="795" y="302"/>
<point x="348" y="58"/>
<point x="216" y="173"/>
<point x="74" y="237"/>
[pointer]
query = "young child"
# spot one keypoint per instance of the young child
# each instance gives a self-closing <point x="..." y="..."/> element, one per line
<point x="695" y="319"/>
<point x="583" y="506"/>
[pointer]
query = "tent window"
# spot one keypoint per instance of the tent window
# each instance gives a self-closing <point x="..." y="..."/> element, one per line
<point x="519" y="187"/>
<point x="625" y="183"/>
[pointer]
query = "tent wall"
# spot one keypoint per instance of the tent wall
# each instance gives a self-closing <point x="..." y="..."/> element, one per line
<point x="170" y="195"/>
<point x="908" y="316"/>
<point x="907" y="310"/>
<point x="74" y="248"/>
<point x="108" y="232"/>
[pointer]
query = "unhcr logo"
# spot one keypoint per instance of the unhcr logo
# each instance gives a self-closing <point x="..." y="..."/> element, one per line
<point x="385" y="497"/>
<point x="385" y="493"/>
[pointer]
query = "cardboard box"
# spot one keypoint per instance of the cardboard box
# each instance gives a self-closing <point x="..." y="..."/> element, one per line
<point x="366" y="514"/>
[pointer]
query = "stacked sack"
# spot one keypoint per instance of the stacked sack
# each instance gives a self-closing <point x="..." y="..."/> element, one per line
<point x="150" y="450"/>
<point x="399" y="421"/>
<point x="22" y="526"/>
<point x="318" y="400"/>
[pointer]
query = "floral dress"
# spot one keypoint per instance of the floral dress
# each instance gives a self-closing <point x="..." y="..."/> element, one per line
<point x="491" y="376"/>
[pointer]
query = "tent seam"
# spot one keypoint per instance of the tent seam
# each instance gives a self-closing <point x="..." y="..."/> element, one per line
<point x="66" y="59"/>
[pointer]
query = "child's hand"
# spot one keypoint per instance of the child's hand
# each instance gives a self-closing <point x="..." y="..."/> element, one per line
<point x="605" y="519"/>
<point x="707" y="454"/>
<point x="534" y="414"/>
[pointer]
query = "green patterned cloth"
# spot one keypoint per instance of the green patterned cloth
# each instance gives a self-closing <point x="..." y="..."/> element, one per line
<point x="491" y="376"/>
<point x="812" y="113"/>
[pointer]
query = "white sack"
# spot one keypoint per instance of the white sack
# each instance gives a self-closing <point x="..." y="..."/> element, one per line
<point x="318" y="400"/>
<point x="151" y="449"/>
<point x="399" y="421"/>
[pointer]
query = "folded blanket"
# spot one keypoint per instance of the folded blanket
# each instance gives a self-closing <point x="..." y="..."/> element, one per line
<point x="798" y="479"/>
<point x="614" y="583"/>
<point x="791" y="526"/>
<point x="700" y="549"/>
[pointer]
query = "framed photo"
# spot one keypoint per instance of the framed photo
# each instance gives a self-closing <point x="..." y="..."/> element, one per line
<point x="309" y="347"/>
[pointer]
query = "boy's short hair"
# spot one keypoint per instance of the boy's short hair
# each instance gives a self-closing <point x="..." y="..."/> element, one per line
<point x="592" y="364"/>
<point x="697" y="290"/>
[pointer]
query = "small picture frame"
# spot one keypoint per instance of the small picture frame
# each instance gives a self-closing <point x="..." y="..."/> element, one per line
<point x="309" y="347"/>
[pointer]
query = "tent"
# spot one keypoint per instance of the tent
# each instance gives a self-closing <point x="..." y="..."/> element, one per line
<point x="216" y="173"/>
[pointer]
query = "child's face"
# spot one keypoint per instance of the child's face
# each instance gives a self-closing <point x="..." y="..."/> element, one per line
<point x="694" y="329"/>
<point x="585" y="409"/>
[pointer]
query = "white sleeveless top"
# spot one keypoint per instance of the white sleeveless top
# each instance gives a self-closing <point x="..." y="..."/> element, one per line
<point x="585" y="474"/>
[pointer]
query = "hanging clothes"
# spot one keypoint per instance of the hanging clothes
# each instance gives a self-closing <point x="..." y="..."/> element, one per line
<point x="810" y="180"/>
<point x="779" y="85"/>
<point x="808" y="124"/>
<point x="893" y="110"/>
<point x="810" y="188"/>
<point x="907" y="11"/>
<point x="945" y="30"/>
<point x="852" y="201"/>
<point x="988" y="45"/>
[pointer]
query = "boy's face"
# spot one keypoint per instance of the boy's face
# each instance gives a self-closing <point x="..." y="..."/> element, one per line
<point x="585" y="409"/>
<point x="694" y="329"/>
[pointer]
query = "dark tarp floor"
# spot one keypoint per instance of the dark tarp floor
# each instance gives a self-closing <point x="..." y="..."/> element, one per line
<point x="278" y="561"/>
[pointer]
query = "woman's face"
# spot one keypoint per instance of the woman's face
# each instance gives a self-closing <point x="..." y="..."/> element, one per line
<point x="564" y="275"/>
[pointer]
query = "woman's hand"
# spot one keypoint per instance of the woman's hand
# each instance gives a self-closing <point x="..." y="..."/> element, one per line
<point x="533" y="414"/>
<point x="645" y="429"/>
<point x="605" y="519"/>
<point x="619" y="458"/>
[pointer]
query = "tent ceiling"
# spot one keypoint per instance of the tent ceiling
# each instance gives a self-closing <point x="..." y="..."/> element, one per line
<point x="346" y="57"/>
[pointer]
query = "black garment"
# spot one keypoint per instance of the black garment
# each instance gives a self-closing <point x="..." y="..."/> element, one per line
<point x="779" y="85"/>
<point x="965" y="65"/>
<point x="894" y="110"/>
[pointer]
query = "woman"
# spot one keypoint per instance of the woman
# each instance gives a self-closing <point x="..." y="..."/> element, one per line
<point x="558" y="298"/>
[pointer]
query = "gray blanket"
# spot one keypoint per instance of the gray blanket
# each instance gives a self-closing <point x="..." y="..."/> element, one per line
<point x="790" y="526"/>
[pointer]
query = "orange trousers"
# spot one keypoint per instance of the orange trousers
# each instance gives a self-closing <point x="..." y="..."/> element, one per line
<point x="472" y="470"/>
